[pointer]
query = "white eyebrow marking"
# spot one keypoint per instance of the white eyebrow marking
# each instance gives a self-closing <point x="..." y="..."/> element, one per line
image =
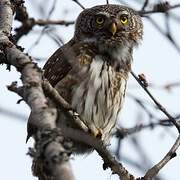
<point x="104" y="13"/>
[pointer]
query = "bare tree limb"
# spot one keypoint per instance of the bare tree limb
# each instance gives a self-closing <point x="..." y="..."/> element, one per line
<point x="78" y="3"/>
<point x="43" y="116"/>
<point x="158" y="104"/>
<point x="42" y="22"/>
<point x="109" y="160"/>
<point x="122" y="132"/>
<point x="50" y="156"/>
<point x="145" y="5"/>
<point x="28" y="23"/>
<point x="171" y="154"/>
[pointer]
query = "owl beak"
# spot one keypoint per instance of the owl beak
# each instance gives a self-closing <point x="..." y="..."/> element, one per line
<point x="113" y="28"/>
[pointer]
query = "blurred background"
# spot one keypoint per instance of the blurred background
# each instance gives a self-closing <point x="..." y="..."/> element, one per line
<point x="158" y="57"/>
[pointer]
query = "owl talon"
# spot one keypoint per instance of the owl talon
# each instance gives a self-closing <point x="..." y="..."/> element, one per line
<point x="99" y="135"/>
<point x="96" y="132"/>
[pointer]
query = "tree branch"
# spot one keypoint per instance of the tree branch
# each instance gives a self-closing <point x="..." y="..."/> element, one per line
<point x="42" y="22"/>
<point x="43" y="117"/>
<point x="158" y="104"/>
<point x="82" y="136"/>
<point x="28" y="23"/>
<point x="171" y="154"/>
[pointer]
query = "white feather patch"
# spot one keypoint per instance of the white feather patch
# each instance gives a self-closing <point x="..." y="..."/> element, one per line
<point x="93" y="98"/>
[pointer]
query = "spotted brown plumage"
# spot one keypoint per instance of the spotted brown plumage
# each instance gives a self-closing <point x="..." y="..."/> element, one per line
<point x="91" y="70"/>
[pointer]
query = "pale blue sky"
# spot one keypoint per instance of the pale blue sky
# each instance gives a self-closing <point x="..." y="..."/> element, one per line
<point x="156" y="58"/>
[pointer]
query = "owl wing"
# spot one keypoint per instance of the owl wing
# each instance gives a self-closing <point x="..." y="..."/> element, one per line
<point x="64" y="69"/>
<point x="58" y="66"/>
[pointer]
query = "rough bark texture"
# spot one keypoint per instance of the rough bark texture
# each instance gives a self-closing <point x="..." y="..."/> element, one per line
<point x="42" y="116"/>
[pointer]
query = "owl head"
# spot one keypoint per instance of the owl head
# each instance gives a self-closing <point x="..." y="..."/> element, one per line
<point x="109" y="25"/>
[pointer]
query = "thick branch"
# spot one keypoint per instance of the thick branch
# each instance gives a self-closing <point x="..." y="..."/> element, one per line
<point x="109" y="160"/>
<point x="42" y="115"/>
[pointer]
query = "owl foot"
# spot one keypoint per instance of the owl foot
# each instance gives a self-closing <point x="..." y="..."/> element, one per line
<point x="95" y="132"/>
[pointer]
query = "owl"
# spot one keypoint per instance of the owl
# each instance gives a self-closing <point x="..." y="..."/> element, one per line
<point x="91" y="70"/>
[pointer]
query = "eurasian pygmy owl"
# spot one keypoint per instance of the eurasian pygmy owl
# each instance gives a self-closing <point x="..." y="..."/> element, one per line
<point x="90" y="72"/>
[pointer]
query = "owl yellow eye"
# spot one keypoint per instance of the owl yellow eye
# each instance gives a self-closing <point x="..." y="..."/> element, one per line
<point x="99" y="20"/>
<point x="124" y="20"/>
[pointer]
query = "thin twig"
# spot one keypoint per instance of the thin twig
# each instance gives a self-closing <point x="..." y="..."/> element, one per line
<point x="171" y="154"/>
<point x="158" y="104"/>
<point x="42" y="22"/>
<point x="145" y="5"/>
<point x="123" y="132"/>
<point x="163" y="9"/>
<point x="52" y="9"/>
<point x="77" y="2"/>
<point x="44" y="117"/>
<point x="79" y="135"/>
<point x="28" y="23"/>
